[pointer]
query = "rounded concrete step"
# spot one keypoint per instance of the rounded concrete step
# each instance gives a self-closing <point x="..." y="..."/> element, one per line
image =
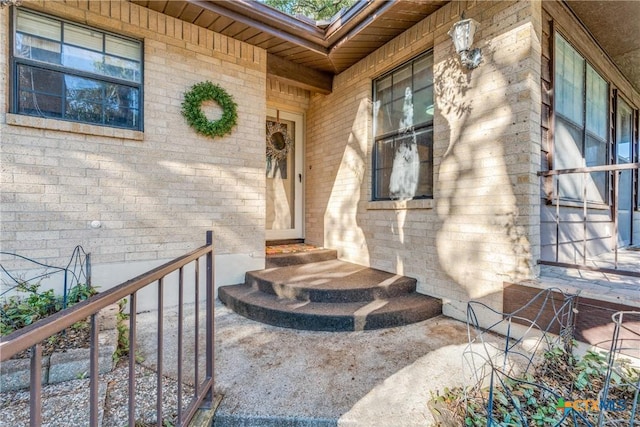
<point x="353" y="316"/>
<point x="295" y="258"/>
<point x="330" y="282"/>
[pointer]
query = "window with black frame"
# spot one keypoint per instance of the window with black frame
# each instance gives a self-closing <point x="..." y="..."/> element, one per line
<point x="581" y="124"/>
<point x="72" y="72"/>
<point x="403" y="131"/>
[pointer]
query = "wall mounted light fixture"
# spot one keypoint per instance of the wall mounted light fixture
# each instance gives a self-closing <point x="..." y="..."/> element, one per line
<point x="462" y="34"/>
<point x="4" y="3"/>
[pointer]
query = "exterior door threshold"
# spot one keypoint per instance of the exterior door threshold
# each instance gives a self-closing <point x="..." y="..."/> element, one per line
<point x="284" y="242"/>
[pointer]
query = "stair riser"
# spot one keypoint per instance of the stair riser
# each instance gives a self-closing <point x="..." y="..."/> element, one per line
<point x="402" y="286"/>
<point x="286" y="319"/>
<point x="284" y="260"/>
<point x="321" y="322"/>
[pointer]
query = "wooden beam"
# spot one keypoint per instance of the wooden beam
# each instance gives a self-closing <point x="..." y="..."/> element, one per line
<point x="299" y="75"/>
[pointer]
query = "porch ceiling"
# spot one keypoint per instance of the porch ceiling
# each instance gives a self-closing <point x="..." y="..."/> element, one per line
<point x="616" y="27"/>
<point x="299" y="47"/>
<point x="328" y="49"/>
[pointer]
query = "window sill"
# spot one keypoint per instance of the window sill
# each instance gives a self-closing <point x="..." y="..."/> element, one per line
<point x="74" y="127"/>
<point x="401" y="204"/>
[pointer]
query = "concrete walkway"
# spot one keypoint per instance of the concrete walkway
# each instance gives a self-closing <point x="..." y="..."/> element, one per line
<point x="270" y="376"/>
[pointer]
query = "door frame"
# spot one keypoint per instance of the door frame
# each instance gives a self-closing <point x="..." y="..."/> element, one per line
<point x="297" y="232"/>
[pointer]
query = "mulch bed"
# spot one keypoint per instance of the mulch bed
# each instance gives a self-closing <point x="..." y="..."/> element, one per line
<point x="77" y="336"/>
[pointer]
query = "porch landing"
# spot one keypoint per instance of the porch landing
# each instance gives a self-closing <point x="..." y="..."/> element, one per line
<point x="609" y="287"/>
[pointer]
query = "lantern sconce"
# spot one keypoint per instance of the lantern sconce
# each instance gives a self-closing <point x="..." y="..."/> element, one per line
<point x="462" y="34"/>
<point x="4" y="3"/>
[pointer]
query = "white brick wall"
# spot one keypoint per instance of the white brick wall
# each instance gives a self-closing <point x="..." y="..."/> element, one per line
<point x="483" y="225"/>
<point x="155" y="192"/>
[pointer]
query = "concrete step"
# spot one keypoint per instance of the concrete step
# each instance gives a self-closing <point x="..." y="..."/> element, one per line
<point x="316" y="316"/>
<point x="295" y="258"/>
<point x="331" y="281"/>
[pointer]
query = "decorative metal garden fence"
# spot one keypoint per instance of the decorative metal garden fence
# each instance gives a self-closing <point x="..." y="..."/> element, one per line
<point x="531" y="376"/>
<point x="74" y="280"/>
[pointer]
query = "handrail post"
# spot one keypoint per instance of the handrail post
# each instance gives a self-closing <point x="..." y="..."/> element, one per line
<point x="35" y="392"/>
<point x="210" y="318"/>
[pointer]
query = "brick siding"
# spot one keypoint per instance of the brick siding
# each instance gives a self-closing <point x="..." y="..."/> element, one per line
<point x="482" y="226"/>
<point x="155" y="192"/>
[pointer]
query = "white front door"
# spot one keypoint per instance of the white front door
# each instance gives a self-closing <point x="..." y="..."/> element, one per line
<point x="284" y="192"/>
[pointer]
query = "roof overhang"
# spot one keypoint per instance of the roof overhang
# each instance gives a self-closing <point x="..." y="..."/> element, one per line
<point x="308" y="55"/>
<point x="299" y="51"/>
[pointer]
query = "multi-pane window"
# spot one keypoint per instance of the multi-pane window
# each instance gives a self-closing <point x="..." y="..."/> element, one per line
<point x="72" y="72"/>
<point x="581" y="125"/>
<point x="403" y="129"/>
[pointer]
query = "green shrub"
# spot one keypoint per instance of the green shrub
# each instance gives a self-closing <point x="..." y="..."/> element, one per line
<point x="22" y="310"/>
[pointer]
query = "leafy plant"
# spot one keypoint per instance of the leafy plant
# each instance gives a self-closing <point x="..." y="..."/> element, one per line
<point x="32" y="304"/>
<point x="122" y="326"/>
<point x="534" y="398"/>
<point x="80" y="292"/>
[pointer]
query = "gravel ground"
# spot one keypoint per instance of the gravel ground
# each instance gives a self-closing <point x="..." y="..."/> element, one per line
<point x="117" y="397"/>
<point x="113" y="391"/>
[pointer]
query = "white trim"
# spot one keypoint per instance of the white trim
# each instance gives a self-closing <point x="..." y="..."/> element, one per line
<point x="298" y="231"/>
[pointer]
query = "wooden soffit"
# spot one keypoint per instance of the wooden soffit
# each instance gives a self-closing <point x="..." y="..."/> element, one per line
<point x="299" y="51"/>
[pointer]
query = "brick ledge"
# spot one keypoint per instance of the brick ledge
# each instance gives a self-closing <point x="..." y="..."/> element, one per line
<point x="74" y="127"/>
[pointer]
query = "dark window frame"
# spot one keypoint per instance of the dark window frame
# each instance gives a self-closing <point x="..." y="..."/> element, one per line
<point x="16" y="62"/>
<point x="399" y="133"/>
<point x="585" y="133"/>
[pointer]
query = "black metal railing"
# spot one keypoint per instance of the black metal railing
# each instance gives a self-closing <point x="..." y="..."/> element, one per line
<point x="554" y="196"/>
<point x="31" y="337"/>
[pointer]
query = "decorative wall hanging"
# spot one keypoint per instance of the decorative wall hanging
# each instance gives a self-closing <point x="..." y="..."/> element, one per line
<point x="192" y="109"/>
<point x="278" y="141"/>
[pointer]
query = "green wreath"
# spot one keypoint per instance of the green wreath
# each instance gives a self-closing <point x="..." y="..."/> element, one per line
<point x="191" y="109"/>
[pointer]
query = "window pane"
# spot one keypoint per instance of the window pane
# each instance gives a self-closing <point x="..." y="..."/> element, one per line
<point x="423" y="73"/>
<point x="121" y="107"/>
<point x="382" y="107"/>
<point x="83" y="37"/>
<point x="404" y="166"/>
<point x="595" y="151"/>
<point x="30" y="23"/>
<point x="401" y="82"/>
<point x="84" y="99"/>
<point x="39" y="92"/>
<point x="569" y="80"/>
<point x="568" y="145"/>
<point x="424" y="140"/>
<point x="99" y="102"/>
<point x="383" y="163"/>
<point x="596" y="155"/>
<point x="37" y="49"/>
<point x="82" y="59"/>
<point x="597" y="105"/>
<point x="423" y="107"/>
<point x="568" y="148"/>
<point x="124" y="48"/>
<point x="121" y="69"/>
<point x="623" y="133"/>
